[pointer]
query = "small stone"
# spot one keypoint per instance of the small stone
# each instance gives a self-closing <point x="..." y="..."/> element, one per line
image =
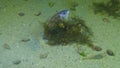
<point x="43" y="55"/>
<point x="17" y="62"/>
<point x="99" y="56"/>
<point x="6" y="46"/>
<point x="96" y="48"/>
<point x="37" y="14"/>
<point x="25" y="40"/>
<point x="21" y="14"/>
<point x="110" y="52"/>
<point x="106" y="20"/>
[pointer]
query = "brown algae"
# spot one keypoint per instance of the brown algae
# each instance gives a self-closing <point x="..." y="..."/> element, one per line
<point x="110" y="8"/>
<point x="58" y="31"/>
<point x="66" y="32"/>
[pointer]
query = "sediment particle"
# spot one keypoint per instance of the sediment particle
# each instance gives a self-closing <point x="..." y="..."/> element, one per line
<point x="6" y="46"/>
<point x="25" y="40"/>
<point x="21" y="14"/>
<point x="37" y="14"/>
<point x="110" y="52"/>
<point x="43" y="55"/>
<point x="17" y="62"/>
<point x="96" y="48"/>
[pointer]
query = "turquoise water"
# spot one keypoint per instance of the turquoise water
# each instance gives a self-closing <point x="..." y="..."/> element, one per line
<point x="21" y="36"/>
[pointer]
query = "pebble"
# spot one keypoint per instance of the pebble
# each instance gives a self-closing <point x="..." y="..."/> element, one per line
<point x="106" y="20"/>
<point x="110" y="52"/>
<point x="37" y="14"/>
<point x="21" y="14"/>
<point x="17" y="62"/>
<point x="96" y="48"/>
<point x="25" y="40"/>
<point x="43" y="55"/>
<point x="98" y="56"/>
<point x="6" y="46"/>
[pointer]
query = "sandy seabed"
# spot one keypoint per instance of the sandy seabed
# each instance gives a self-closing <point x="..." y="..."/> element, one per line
<point x="21" y="36"/>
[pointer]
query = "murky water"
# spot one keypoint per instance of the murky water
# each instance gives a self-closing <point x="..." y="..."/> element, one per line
<point x="22" y="42"/>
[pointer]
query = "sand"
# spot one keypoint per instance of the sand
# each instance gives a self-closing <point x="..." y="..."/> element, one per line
<point x="21" y="36"/>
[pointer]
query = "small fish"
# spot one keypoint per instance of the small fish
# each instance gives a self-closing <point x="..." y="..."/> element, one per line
<point x="62" y="15"/>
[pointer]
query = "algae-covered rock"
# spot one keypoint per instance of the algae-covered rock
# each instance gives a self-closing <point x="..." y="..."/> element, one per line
<point x="60" y="31"/>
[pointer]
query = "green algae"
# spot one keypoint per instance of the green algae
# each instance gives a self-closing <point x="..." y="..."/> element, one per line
<point x="110" y="8"/>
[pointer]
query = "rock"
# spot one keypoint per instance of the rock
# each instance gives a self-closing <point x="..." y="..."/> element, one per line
<point x="43" y="55"/>
<point x="16" y="62"/>
<point x="21" y="14"/>
<point x="6" y="46"/>
<point x="110" y="52"/>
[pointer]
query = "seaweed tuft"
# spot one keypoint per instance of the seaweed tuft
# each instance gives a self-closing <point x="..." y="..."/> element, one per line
<point x="110" y="8"/>
<point x="67" y="32"/>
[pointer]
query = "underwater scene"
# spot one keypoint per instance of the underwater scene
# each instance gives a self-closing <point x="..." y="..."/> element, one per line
<point x="59" y="33"/>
